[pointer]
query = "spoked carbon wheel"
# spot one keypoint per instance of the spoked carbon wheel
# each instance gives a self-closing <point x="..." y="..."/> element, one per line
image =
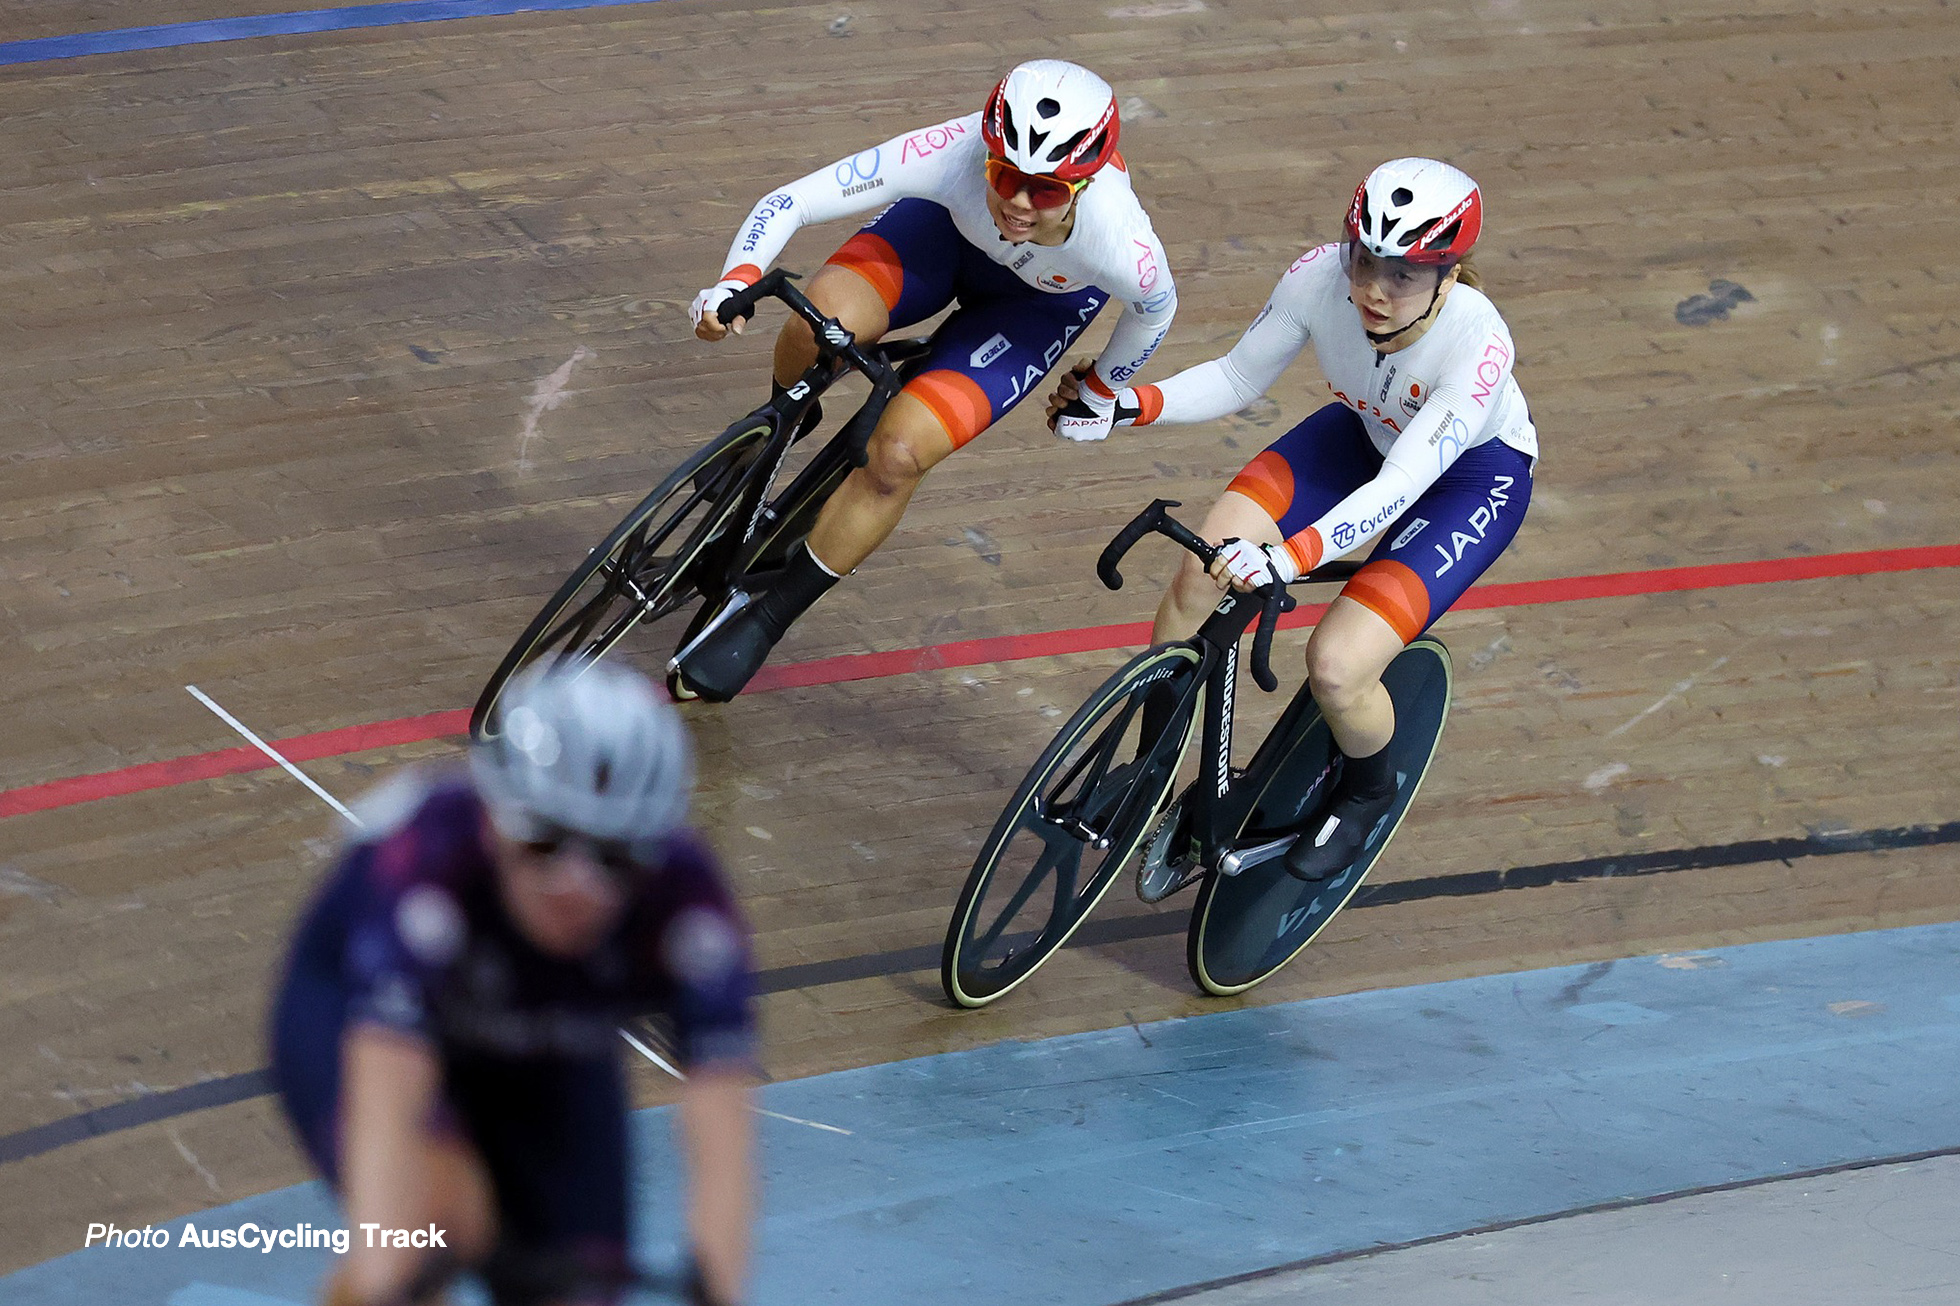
<point x="1245" y="927"/>
<point x="1070" y="828"/>
<point x="649" y="567"/>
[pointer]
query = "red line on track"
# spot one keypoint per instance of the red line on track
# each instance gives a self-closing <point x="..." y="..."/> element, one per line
<point x="963" y="653"/>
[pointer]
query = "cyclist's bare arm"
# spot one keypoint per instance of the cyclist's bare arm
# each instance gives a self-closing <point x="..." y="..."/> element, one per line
<point x="391" y="1175"/>
<point x="717" y="1137"/>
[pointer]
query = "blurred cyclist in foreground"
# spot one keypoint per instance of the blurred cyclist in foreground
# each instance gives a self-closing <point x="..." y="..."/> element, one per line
<point x="445" y="1042"/>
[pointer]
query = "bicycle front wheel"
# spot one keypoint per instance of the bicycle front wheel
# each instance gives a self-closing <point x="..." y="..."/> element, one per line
<point x="1245" y="927"/>
<point x="1076" y="820"/>
<point x="653" y="564"/>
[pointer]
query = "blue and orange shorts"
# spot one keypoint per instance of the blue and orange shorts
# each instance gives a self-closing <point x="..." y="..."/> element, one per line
<point x="999" y="343"/>
<point x="1429" y="555"/>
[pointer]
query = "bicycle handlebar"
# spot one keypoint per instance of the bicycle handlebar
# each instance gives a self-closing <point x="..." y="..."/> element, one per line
<point x="1155" y="520"/>
<point x="832" y="339"/>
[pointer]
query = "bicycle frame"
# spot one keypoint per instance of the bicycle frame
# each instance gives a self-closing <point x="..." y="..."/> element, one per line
<point x="1217" y="805"/>
<point x="837" y="352"/>
<point x="1219" y="802"/>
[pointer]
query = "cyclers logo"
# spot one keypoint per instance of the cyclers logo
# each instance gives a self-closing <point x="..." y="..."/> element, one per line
<point x="1345" y="534"/>
<point x="767" y="210"/>
<point x="990" y="350"/>
<point x="1480" y="521"/>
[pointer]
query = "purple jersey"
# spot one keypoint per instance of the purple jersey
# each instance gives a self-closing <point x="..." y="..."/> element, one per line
<point x="409" y="933"/>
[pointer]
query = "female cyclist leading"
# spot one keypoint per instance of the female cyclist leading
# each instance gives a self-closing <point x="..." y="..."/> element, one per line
<point x="445" y="1041"/>
<point x="1427" y="447"/>
<point x="1021" y="214"/>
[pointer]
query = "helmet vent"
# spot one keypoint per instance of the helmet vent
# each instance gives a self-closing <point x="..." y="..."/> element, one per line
<point x="1067" y="147"/>
<point x="1047" y="108"/>
<point x="1447" y="238"/>
<point x="1401" y="196"/>
<point x="1415" y="234"/>
<point x="602" y="776"/>
<point x="1007" y="128"/>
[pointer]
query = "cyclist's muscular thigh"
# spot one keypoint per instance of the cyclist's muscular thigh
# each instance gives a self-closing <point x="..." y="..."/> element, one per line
<point x="842" y="294"/>
<point x="909" y="442"/>
<point x="1346" y="656"/>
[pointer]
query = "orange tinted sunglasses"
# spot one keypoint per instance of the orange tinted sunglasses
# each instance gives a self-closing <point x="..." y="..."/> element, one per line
<point x="1043" y="192"/>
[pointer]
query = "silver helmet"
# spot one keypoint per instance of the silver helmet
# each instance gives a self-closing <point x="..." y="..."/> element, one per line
<point x="593" y="749"/>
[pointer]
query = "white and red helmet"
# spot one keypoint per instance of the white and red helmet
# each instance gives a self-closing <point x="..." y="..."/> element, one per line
<point x="1053" y="118"/>
<point x="1419" y="210"/>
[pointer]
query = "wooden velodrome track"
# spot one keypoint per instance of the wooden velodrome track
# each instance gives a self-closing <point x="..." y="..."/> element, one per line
<point x="325" y="356"/>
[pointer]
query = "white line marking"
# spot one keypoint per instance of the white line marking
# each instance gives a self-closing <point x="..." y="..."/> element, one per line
<point x="195" y="1164"/>
<point x="798" y="1120"/>
<point x="273" y="753"/>
<point x="1606" y="775"/>
<point x="658" y="1060"/>
<point x="652" y="1056"/>
<point x="1672" y="694"/>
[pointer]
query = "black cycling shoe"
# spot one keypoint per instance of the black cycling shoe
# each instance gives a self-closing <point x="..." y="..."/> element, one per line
<point x="1336" y="835"/>
<point x="721" y="660"/>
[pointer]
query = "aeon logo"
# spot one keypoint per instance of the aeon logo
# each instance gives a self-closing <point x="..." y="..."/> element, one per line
<point x="930" y="141"/>
<point x="1490" y="369"/>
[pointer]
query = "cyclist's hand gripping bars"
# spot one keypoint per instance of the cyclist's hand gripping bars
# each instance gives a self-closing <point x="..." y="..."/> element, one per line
<point x="832" y="340"/>
<point x="1155" y="519"/>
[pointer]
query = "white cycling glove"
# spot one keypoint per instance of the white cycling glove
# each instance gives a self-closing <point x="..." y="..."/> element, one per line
<point x="1256" y="564"/>
<point x="714" y="297"/>
<point x="1089" y="416"/>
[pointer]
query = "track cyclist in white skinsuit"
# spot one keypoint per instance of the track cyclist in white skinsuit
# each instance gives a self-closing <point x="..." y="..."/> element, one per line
<point x="1023" y="216"/>
<point x="1427" y="448"/>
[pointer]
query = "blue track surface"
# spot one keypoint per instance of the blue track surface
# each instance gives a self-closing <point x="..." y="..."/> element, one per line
<point x="1095" y="1168"/>
<point x="306" y="20"/>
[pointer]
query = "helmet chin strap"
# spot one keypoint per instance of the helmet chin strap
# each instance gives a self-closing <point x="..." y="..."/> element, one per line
<point x="1380" y="338"/>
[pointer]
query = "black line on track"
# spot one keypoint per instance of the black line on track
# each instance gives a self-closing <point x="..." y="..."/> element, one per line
<point x="96" y="1123"/>
<point x="1525" y="1222"/>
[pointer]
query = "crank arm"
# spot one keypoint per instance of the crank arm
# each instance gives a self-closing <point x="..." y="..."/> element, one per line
<point x="1244" y="859"/>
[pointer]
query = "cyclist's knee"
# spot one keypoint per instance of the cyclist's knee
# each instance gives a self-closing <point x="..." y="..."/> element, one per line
<point x="897" y="462"/>
<point x="1193" y="591"/>
<point x="797" y="334"/>
<point x="1338" y="672"/>
<point x="848" y="297"/>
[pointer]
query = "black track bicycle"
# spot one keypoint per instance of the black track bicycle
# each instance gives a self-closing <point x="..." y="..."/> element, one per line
<point x="1099" y="798"/>
<point x="716" y="523"/>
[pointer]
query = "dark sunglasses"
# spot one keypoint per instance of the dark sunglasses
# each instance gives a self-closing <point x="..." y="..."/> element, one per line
<point x="612" y="855"/>
<point x="1043" y="192"/>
